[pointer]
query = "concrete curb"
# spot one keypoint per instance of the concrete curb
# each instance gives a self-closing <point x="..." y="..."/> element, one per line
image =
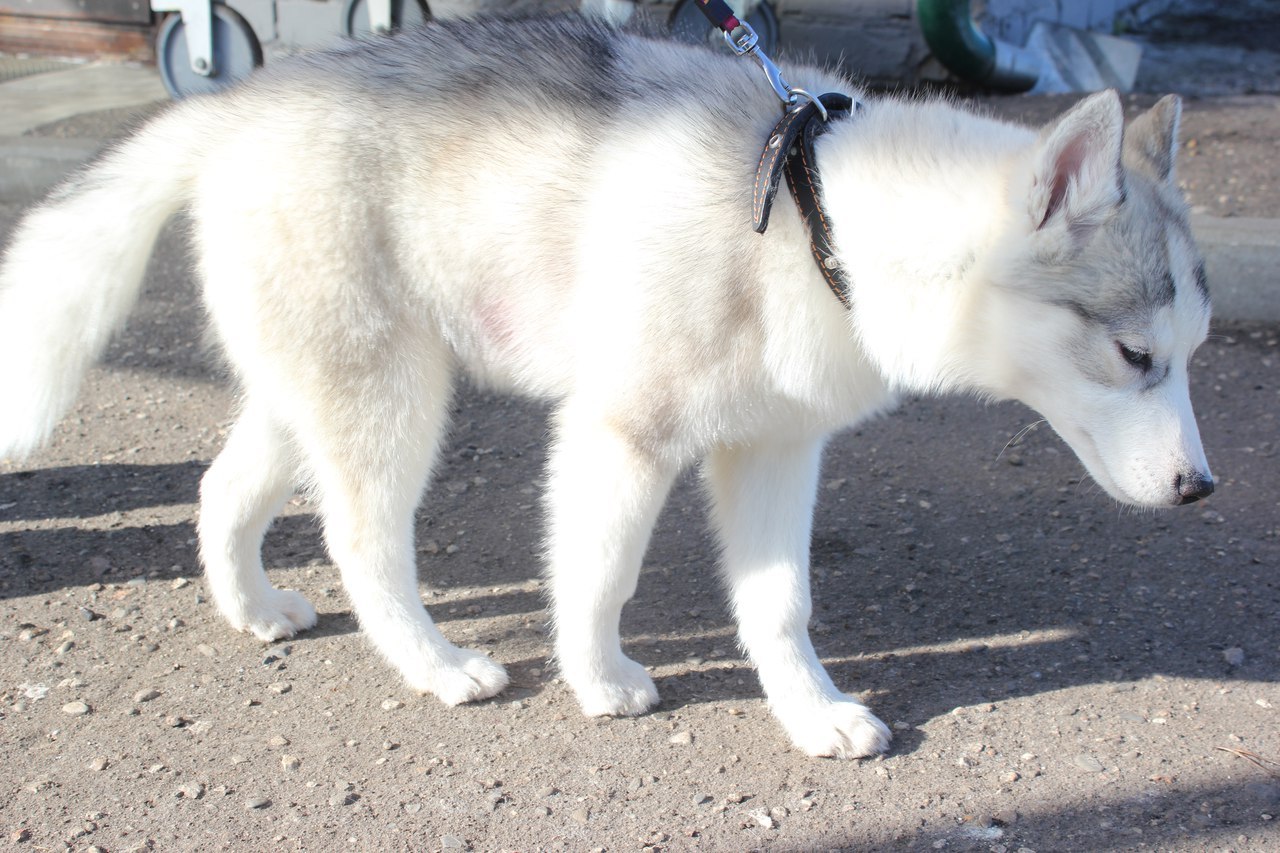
<point x="29" y="102"/>
<point x="1242" y="262"/>
<point x="1242" y="255"/>
<point x="30" y="166"/>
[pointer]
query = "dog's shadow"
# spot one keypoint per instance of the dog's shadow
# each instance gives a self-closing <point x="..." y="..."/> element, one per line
<point x="940" y="580"/>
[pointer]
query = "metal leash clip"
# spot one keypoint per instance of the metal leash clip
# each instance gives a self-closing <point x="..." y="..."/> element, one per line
<point x="743" y="41"/>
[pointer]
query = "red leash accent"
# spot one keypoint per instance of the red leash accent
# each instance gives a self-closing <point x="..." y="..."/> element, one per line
<point x="719" y="14"/>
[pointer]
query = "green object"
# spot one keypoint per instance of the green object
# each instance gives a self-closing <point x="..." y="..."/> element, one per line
<point x="969" y="53"/>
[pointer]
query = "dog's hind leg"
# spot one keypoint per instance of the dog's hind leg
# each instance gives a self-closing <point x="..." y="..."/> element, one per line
<point x="603" y="498"/>
<point x="369" y="436"/>
<point x="763" y="498"/>
<point x="239" y="496"/>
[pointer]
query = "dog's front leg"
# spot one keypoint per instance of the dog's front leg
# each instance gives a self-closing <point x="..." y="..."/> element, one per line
<point x="763" y="498"/>
<point x="603" y="496"/>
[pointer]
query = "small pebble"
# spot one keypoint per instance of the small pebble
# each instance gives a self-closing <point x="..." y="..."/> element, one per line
<point x="256" y="803"/>
<point x="392" y="704"/>
<point x="280" y="687"/>
<point x="206" y="650"/>
<point x="146" y="695"/>
<point x="452" y="842"/>
<point x="342" y="798"/>
<point x="290" y="762"/>
<point x="19" y="835"/>
<point x="76" y="708"/>
<point x="1088" y="763"/>
<point x="98" y="764"/>
<point x="278" y="740"/>
<point x="1005" y="817"/>
<point x="1234" y="656"/>
<point x="681" y="738"/>
<point x="88" y="615"/>
<point x="580" y="816"/>
<point x="179" y="583"/>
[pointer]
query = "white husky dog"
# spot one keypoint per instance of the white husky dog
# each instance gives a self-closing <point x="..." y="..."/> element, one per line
<point x="564" y="211"/>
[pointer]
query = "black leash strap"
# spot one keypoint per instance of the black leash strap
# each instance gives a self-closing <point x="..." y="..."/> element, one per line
<point x="790" y="146"/>
<point x="790" y="151"/>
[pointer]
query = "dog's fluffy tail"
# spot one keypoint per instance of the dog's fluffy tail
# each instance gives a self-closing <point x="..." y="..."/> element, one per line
<point x="73" y="271"/>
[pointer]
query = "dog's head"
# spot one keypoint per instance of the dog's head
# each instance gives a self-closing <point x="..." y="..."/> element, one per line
<point x="1105" y="301"/>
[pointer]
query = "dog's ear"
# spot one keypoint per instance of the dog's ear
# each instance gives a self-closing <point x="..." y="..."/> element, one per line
<point x="1152" y="139"/>
<point x="1076" y="177"/>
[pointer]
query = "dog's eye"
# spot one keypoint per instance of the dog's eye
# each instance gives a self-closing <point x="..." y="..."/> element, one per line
<point x="1136" y="357"/>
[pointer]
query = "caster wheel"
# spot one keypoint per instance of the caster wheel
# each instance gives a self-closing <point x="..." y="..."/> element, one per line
<point x="236" y="52"/>
<point x="405" y="14"/>
<point x="689" y="24"/>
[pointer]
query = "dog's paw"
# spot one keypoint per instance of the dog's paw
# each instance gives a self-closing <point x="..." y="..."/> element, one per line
<point x="625" y="690"/>
<point x="836" y="729"/>
<point x="282" y="613"/>
<point x="468" y="677"/>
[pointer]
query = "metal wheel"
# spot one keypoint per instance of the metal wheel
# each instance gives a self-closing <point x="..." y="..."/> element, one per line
<point x="405" y="14"/>
<point x="236" y="52"/>
<point x="687" y="23"/>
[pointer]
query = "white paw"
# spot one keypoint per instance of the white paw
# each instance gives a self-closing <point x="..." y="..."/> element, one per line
<point x="842" y="728"/>
<point x="466" y="677"/>
<point x="623" y="690"/>
<point x="281" y="613"/>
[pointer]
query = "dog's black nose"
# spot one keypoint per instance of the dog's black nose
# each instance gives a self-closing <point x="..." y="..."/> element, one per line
<point x="1193" y="487"/>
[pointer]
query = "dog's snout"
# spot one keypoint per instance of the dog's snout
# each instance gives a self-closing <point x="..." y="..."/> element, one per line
<point x="1193" y="487"/>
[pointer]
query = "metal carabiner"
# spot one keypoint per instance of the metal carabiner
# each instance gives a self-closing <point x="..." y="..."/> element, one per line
<point x="744" y="42"/>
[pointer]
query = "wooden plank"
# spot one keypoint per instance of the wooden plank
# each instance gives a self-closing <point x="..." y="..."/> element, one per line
<point x="108" y="11"/>
<point x="63" y="37"/>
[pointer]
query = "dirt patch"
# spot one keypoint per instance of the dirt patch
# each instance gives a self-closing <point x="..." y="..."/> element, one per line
<point x="1059" y="674"/>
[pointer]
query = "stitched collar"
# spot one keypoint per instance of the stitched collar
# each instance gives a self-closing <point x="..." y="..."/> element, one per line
<point x="790" y="150"/>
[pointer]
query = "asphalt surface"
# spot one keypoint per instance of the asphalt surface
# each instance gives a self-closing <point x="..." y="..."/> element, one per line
<point x="1060" y="674"/>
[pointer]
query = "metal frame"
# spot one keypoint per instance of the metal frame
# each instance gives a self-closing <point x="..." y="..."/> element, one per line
<point x="197" y="26"/>
<point x="379" y="15"/>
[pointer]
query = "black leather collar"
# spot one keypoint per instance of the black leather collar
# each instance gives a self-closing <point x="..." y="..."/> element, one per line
<point x="790" y="150"/>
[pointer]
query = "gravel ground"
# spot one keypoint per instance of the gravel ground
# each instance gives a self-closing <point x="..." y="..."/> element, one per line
<point x="1060" y="674"/>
